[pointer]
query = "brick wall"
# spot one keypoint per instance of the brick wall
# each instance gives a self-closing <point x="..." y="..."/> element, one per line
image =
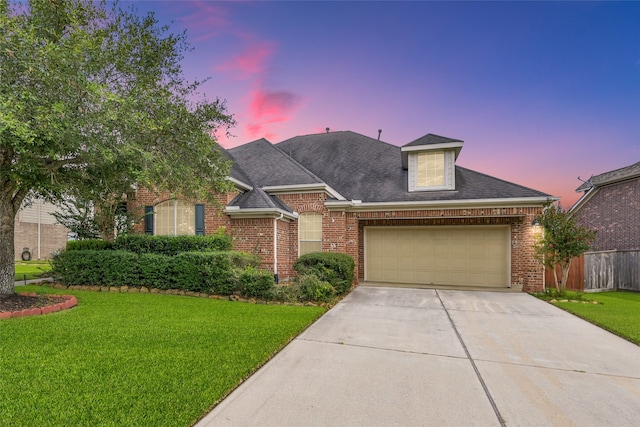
<point x="344" y="231"/>
<point x="254" y="235"/>
<point x="53" y="237"/>
<point x="614" y="211"/>
<point x="525" y="271"/>
<point x="214" y="217"/>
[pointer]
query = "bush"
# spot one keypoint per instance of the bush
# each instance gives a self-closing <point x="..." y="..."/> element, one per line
<point x="255" y="283"/>
<point x="155" y="271"/>
<point x="311" y="288"/>
<point x="335" y="268"/>
<point x="96" y="267"/>
<point x="172" y="245"/>
<point x="93" y="244"/>
<point x="211" y="272"/>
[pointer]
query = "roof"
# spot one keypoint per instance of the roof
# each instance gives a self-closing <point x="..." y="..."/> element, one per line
<point x="366" y="169"/>
<point x="431" y="139"/>
<point x="259" y="199"/>
<point x="621" y="174"/>
<point x="265" y="165"/>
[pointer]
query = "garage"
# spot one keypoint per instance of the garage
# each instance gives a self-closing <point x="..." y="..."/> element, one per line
<point x="461" y="255"/>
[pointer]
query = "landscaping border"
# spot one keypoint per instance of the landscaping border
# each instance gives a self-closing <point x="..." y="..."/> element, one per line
<point x="69" y="301"/>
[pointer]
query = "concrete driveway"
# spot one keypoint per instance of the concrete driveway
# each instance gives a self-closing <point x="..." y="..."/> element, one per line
<point x="425" y="357"/>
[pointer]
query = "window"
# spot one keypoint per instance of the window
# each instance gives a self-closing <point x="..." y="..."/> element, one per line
<point x="309" y="233"/>
<point x="174" y="218"/>
<point x="432" y="170"/>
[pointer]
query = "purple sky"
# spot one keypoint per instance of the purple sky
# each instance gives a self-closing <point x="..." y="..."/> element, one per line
<point x="541" y="92"/>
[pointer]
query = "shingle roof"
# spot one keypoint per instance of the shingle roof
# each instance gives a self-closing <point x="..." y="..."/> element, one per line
<point x="611" y="176"/>
<point x="362" y="168"/>
<point x="258" y="199"/>
<point x="266" y="165"/>
<point x="430" y="139"/>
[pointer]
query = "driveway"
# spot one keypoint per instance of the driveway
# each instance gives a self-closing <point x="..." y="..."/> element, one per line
<point x="426" y="357"/>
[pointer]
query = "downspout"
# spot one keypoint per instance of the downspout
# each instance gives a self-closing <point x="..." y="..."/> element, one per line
<point x="275" y="247"/>
<point x="39" y="225"/>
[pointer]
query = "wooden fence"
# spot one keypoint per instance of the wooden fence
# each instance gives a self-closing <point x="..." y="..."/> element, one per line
<point x="612" y="270"/>
<point x="575" y="281"/>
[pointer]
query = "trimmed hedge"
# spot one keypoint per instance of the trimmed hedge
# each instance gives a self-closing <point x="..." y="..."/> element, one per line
<point x="93" y="244"/>
<point x="210" y="272"/>
<point x="172" y="245"/>
<point x="335" y="268"/>
<point x="255" y="283"/>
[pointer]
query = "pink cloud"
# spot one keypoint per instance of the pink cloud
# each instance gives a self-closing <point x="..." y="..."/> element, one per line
<point x="208" y="20"/>
<point x="250" y="62"/>
<point x="267" y="108"/>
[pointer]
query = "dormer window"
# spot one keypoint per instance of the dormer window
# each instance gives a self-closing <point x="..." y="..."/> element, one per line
<point x="430" y="169"/>
<point x="430" y="162"/>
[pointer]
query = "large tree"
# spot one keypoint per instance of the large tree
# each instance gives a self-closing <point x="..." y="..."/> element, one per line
<point x="92" y="101"/>
<point x="562" y="240"/>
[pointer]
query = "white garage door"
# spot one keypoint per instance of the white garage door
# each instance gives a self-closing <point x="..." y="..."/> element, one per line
<point x="467" y="256"/>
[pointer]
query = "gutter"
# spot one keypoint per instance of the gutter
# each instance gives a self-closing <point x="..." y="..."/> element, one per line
<point x="357" y="205"/>
<point x="237" y="212"/>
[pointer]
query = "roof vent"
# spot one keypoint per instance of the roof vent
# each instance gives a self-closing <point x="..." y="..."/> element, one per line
<point x="379" y="133"/>
<point x="327" y="129"/>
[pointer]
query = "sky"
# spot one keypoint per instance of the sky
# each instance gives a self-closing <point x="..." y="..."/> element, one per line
<point x="541" y="93"/>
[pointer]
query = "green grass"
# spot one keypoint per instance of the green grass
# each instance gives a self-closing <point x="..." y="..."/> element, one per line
<point x="126" y="359"/>
<point x="31" y="269"/>
<point x="618" y="312"/>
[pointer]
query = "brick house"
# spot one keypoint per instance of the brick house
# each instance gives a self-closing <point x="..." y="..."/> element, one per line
<point x="405" y="214"/>
<point x="611" y="204"/>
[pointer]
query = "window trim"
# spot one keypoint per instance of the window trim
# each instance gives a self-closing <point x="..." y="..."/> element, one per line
<point x="301" y="216"/>
<point x="448" y="171"/>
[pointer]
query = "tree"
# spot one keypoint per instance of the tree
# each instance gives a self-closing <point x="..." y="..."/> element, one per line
<point x="561" y="241"/>
<point x="92" y="102"/>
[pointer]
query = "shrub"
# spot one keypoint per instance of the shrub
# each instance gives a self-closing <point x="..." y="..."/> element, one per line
<point x="211" y="272"/>
<point x="172" y="245"/>
<point x="93" y="244"/>
<point x="155" y="271"/>
<point x="335" y="268"/>
<point x="96" y="267"/>
<point x="255" y="283"/>
<point x="311" y="288"/>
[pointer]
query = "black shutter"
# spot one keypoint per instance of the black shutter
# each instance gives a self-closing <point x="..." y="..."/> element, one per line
<point x="199" y="220"/>
<point x="148" y="220"/>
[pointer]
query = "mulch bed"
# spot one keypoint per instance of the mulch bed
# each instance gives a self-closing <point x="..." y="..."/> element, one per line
<point x="17" y="302"/>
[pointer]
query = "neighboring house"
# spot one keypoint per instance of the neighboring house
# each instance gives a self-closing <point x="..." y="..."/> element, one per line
<point x="38" y="231"/>
<point x="405" y="214"/>
<point x="611" y="205"/>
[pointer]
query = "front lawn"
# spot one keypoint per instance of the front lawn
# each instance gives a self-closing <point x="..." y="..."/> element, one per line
<point x="135" y="359"/>
<point x="26" y="270"/>
<point x="618" y="312"/>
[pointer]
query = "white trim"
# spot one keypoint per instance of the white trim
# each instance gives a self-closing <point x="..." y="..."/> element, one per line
<point x="303" y="188"/>
<point x="430" y="147"/>
<point x="236" y="212"/>
<point x="239" y="183"/>
<point x="433" y="204"/>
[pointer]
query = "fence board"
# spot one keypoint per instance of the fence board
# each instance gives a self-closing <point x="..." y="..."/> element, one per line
<point x="575" y="281"/>
<point x="611" y="270"/>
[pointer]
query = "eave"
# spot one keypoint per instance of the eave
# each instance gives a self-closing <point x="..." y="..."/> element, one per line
<point x="239" y="184"/>
<point x="356" y="205"/>
<point x="303" y="188"/>
<point x="237" y="212"/>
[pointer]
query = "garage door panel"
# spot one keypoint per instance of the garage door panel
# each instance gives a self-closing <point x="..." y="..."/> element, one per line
<point x="472" y="256"/>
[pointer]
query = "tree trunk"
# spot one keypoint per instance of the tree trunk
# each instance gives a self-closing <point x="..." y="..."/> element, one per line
<point x="7" y="254"/>
<point x="565" y="274"/>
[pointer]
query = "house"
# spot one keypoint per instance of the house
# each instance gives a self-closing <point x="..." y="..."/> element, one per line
<point x="37" y="231"/>
<point x="610" y="203"/>
<point x="407" y="215"/>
